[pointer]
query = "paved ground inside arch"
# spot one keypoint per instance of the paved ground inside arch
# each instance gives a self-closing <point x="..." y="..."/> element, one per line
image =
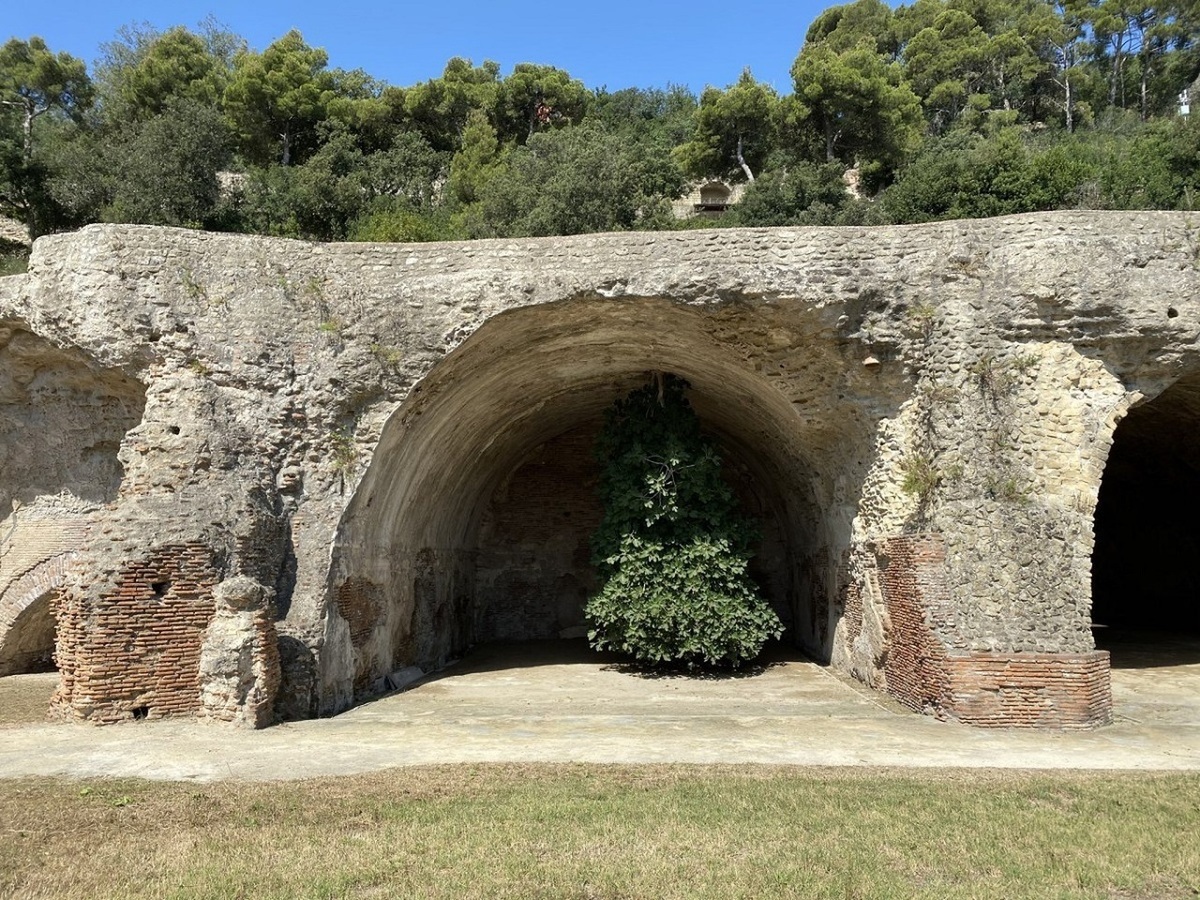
<point x="555" y="702"/>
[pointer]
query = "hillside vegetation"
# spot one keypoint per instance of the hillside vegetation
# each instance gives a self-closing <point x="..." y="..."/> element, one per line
<point x="940" y="109"/>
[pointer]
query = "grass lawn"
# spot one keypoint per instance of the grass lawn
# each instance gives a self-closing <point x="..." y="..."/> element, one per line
<point x="600" y="831"/>
<point x="14" y="257"/>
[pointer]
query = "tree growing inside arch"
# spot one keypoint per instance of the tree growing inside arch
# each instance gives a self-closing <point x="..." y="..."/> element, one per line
<point x="672" y="549"/>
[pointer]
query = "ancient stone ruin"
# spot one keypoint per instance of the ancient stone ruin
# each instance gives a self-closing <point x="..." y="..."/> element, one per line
<point x="249" y="479"/>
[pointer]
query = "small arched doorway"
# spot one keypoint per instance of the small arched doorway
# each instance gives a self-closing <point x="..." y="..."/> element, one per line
<point x="28" y="628"/>
<point x="27" y="645"/>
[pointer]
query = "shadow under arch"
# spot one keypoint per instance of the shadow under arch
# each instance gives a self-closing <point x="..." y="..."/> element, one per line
<point x="27" y="624"/>
<point x="404" y="573"/>
<point x="1145" y="572"/>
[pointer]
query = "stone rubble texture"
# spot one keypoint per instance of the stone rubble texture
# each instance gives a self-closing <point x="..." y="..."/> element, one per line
<point x="255" y="476"/>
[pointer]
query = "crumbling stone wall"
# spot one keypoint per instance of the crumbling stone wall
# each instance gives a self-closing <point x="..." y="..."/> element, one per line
<point x="332" y="423"/>
<point x="62" y="419"/>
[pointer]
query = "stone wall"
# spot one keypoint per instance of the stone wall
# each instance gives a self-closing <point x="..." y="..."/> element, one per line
<point x="333" y="423"/>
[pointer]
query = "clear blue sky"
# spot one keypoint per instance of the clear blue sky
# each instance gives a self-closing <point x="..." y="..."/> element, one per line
<point x="616" y="43"/>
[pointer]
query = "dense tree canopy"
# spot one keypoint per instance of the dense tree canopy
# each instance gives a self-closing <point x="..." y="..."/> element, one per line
<point x="734" y="130"/>
<point x="174" y="66"/>
<point x="934" y="109"/>
<point x="275" y="99"/>
<point x="34" y="82"/>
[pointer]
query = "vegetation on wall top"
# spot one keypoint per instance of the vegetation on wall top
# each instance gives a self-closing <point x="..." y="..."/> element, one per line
<point x="942" y="108"/>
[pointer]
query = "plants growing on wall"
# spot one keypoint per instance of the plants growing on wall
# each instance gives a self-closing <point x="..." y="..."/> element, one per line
<point x="672" y="549"/>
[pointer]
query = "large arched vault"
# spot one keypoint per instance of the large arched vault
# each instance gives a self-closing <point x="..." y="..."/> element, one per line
<point x="408" y="546"/>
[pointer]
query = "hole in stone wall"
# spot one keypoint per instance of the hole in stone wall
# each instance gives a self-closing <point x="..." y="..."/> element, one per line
<point x="160" y="588"/>
<point x="174" y="429"/>
<point x="140" y="712"/>
<point x="1145" y="580"/>
<point x="1172" y="312"/>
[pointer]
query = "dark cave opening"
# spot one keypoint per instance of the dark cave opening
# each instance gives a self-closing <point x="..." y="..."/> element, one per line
<point x="1146" y="561"/>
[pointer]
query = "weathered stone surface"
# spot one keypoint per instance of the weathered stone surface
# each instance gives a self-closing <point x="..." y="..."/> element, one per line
<point x="239" y="656"/>
<point x="338" y="423"/>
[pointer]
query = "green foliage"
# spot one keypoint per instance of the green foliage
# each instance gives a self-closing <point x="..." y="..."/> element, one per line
<point x="664" y="116"/>
<point x="671" y="549"/>
<point x="965" y="107"/>
<point x="844" y="27"/>
<point x="1158" y="169"/>
<point x="316" y="200"/>
<point x="175" y="66"/>
<point x="858" y="102"/>
<point x="477" y="161"/>
<point x="441" y="107"/>
<point x="1008" y="489"/>
<point x="162" y="171"/>
<point x="535" y="98"/>
<point x="276" y="98"/>
<point x="14" y="257"/>
<point x="34" y="83"/>
<point x="970" y="176"/>
<point x="405" y="225"/>
<point x="986" y="55"/>
<point x="343" y="454"/>
<point x="573" y="181"/>
<point x="921" y="476"/>
<point x="803" y="194"/>
<point x="25" y="189"/>
<point x="733" y="131"/>
<point x="340" y="186"/>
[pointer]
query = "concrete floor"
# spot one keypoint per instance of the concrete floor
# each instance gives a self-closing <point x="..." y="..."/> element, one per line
<point x="553" y="701"/>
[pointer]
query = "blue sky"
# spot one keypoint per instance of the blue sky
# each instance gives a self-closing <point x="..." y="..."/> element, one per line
<point x="619" y="43"/>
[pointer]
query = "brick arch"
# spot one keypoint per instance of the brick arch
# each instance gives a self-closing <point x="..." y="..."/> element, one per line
<point x="20" y="601"/>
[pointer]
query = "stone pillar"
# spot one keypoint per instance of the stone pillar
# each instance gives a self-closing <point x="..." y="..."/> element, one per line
<point x="977" y="687"/>
<point x="239" y="655"/>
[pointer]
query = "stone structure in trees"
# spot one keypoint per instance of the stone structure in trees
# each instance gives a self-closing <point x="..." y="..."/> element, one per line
<point x="247" y="478"/>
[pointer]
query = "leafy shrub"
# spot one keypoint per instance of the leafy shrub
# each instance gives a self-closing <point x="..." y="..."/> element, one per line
<point x="973" y="176"/>
<point x="394" y="223"/>
<point x="804" y="194"/>
<point x="671" y="549"/>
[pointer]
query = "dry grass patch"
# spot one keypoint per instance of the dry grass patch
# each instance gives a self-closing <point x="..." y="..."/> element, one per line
<point x="594" y="831"/>
<point x="25" y="699"/>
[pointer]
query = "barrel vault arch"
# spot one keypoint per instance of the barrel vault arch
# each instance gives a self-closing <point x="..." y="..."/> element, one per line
<point x="525" y="395"/>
